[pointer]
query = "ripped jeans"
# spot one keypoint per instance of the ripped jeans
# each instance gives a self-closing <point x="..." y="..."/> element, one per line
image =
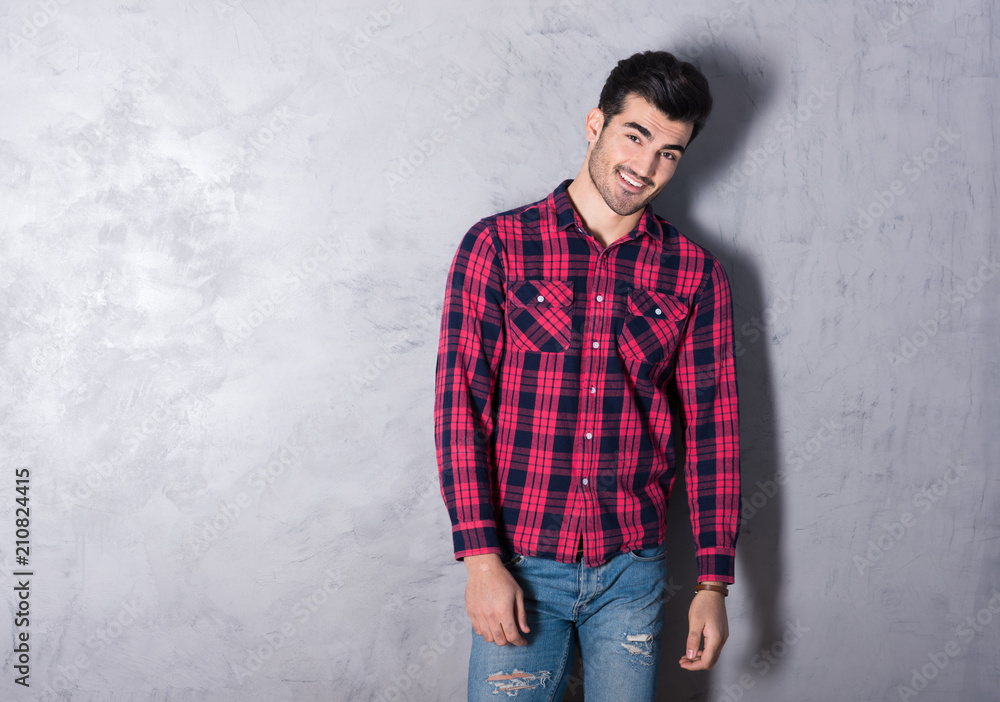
<point x="616" y="608"/>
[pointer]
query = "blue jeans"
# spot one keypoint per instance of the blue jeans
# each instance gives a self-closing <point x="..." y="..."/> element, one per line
<point x="616" y="608"/>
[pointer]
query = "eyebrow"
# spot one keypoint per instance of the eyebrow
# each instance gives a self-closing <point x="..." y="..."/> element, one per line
<point x="646" y="133"/>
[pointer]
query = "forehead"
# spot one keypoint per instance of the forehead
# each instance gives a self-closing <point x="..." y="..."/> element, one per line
<point x="638" y="109"/>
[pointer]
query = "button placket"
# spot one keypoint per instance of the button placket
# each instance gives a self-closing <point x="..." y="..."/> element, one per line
<point x="599" y="326"/>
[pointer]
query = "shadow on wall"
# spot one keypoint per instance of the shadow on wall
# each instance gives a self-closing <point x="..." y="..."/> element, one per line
<point x="759" y="572"/>
<point x="737" y="97"/>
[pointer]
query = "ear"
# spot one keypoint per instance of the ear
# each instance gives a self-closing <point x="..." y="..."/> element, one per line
<point x="595" y="122"/>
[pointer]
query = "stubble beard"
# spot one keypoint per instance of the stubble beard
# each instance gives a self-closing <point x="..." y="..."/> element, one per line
<point x="607" y="186"/>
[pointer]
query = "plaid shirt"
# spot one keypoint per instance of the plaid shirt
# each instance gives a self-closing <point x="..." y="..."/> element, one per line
<point x="560" y="370"/>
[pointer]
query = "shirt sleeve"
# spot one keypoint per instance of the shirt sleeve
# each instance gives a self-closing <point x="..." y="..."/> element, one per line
<point x="706" y="380"/>
<point x="469" y="353"/>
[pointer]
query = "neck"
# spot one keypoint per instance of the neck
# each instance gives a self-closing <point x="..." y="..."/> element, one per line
<point x="600" y="220"/>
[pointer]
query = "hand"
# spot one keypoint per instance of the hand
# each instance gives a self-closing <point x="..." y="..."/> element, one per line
<point x="494" y="601"/>
<point x="706" y="617"/>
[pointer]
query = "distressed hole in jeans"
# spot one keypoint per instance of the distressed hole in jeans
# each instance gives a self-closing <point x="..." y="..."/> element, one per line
<point x="640" y="646"/>
<point x="513" y="683"/>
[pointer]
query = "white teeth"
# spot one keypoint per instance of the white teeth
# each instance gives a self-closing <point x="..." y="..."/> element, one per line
<point x="629" y="180"/>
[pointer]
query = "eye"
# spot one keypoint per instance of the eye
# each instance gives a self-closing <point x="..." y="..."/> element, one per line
<point x="670" y="155"/>
<point x="633" y="137"/>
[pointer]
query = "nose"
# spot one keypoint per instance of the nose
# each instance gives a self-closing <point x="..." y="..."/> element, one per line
<point x="645" y="165"/>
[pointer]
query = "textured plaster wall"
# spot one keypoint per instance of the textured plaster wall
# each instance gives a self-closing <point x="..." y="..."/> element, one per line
<point x="224" y="233"/>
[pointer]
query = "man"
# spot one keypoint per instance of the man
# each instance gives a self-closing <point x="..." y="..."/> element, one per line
<point x="574" y="330"/>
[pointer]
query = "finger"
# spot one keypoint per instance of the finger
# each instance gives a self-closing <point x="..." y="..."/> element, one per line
<point x="498" y="634"/>
<point x="521" y="611"/>
<point x="475" y="623"/>
<point x="474" y="619"/>
<point x="688" y="664"/>
<point x="510" y="624"/>
<point x="483" y="629"/>
<point x="713" y="646"/>
<point x="512" y="634"/>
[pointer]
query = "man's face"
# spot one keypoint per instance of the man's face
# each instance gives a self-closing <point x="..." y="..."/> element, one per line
<point x="635" y="153"/>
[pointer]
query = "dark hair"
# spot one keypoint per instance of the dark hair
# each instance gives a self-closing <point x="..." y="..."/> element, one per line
<point x="677" y="88"/>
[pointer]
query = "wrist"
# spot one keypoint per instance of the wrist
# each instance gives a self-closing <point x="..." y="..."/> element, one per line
<point x="482" y="561"/>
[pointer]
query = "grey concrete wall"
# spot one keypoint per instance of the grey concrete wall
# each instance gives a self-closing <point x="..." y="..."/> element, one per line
<point x="225" y="232"/>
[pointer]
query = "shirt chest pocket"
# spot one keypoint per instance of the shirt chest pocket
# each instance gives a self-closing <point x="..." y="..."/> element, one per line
<point x="540" y="314"/>
<point x="653" y="326"/>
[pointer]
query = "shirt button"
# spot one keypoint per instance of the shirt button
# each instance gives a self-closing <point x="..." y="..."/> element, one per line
<point x="541" y="298"/>
<point x="596" y="345"/>
<point x="600" y="298"/>
<point x="657" y="310"/>
<point x="584" y="481"/>
<point x="589" y="435"/>
<point x="593" y="390"/>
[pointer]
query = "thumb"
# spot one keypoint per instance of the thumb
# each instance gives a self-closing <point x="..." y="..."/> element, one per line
<point x="693" y="643"/>
<point x="522" y="615"/>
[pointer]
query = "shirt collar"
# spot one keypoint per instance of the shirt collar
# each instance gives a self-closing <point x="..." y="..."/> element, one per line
<point x="564" y="216"/>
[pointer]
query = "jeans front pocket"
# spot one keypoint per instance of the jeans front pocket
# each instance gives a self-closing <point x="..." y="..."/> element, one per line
<point x="511" y="559"/>
<point x="653" y="553"/>
<point x="540" y="315"/>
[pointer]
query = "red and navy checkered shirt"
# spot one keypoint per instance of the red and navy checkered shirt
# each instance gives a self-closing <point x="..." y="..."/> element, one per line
<point x="561" y="369"/>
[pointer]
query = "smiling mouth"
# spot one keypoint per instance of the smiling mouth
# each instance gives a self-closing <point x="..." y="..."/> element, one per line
<point x="631" y="184"/>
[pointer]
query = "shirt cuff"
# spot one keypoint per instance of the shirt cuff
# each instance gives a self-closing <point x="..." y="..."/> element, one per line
<point x="716" y="564"/>
<point x="475" y="538"/>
